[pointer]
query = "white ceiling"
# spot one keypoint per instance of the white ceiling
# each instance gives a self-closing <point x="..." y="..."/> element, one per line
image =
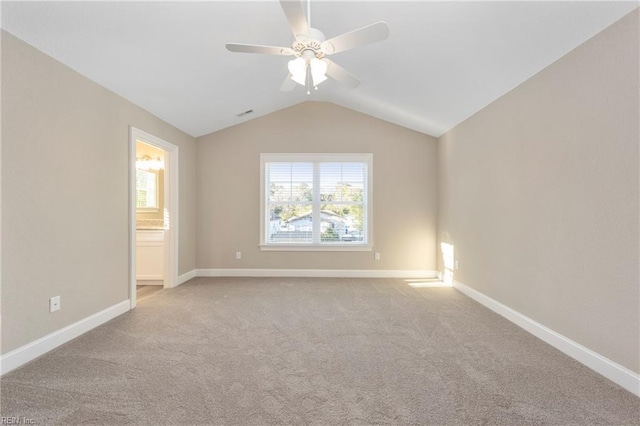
<point x="443" y="61"/>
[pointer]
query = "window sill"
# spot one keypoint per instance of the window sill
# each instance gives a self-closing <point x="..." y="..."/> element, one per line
<point x="315" y="247"/>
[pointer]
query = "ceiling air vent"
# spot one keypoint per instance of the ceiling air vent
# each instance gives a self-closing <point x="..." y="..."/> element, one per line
<point x="242" y="114"/>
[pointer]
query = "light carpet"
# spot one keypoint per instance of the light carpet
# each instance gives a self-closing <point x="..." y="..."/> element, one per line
<point x="227" y="351"/>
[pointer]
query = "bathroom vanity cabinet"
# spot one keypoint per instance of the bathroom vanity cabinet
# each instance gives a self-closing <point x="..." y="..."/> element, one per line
<point x="150" y="256"/>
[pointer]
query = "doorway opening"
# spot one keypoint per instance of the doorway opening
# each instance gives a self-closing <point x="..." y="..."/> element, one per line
<point x="153" y="214"/>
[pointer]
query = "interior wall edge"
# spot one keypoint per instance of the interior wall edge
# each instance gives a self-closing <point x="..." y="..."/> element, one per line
<point x="602" y="365"/>
<point x="32" y="350"/>
<point x="319" y="273"/>
<point x="186" y="277"/>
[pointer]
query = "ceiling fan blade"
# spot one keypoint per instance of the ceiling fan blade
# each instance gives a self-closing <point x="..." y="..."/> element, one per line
<point x="365" y="35"/>
<point x="341" y="75"/>
<point x="257" y="48"/>
<point x="288" y="84"/>
<point x="294" y="11"/>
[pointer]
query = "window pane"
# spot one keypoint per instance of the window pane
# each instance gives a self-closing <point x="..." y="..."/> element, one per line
<point x="290" y="182"/>
<point x="279" y="192"/>
<point x="146" y="190"/>
<point x="285" y="172"/>
<point x="342" y="181"/>
<point x="341" y="223"/>
<point x="141" y="198"/>
<point x="290" y="223"/>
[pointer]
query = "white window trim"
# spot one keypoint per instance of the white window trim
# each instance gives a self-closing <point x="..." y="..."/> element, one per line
<point x="334" y="157"/>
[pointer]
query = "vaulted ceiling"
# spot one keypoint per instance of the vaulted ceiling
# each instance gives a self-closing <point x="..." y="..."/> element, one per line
<point x="443" y="61"/>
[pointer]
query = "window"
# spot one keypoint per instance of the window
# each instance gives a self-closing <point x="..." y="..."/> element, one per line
<point x="146" y="190"/>
<point x="316" y="201"/>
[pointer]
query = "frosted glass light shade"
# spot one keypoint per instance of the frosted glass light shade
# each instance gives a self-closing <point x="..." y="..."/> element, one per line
<point x="318" y="71"/>
<point x="298" y="70"/>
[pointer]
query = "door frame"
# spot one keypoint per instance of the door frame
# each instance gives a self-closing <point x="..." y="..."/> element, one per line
<point x="171" y="205"/>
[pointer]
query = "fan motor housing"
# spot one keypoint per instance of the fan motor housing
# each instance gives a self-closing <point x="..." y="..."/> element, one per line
<point x="311" y="43"/>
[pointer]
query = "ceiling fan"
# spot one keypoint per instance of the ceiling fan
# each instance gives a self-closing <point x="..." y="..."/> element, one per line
<point x="310" y="47"/>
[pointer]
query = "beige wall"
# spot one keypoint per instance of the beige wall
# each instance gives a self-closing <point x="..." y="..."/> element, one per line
<point x="404" y="194"/>
<point x="65" y="193"/>
<point x="539" y="195"/>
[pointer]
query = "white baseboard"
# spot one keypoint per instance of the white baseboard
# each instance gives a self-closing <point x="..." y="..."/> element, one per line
<point x="30" y="351"/>
<point x="149" y="277"/>
<point x="600" y="364"/>
<point x="150" y="282"/>
<point x="186" y="277"/>
<point x="321" y="273"/>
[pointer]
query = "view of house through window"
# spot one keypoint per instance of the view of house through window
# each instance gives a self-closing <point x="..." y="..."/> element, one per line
<point x="316" y="199"/>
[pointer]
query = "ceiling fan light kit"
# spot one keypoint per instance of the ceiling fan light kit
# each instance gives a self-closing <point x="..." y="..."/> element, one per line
<point x="300" y="67"/>
<point x="311" y="67"/>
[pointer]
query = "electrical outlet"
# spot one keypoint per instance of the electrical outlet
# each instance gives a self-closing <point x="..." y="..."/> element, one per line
<point x="238" y="255"/>
<point x="54" y="304"/>
<point x="376" y="256"/>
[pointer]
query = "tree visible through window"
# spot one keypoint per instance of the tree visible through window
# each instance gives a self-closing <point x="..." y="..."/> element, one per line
<point x="316" y="199"/>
